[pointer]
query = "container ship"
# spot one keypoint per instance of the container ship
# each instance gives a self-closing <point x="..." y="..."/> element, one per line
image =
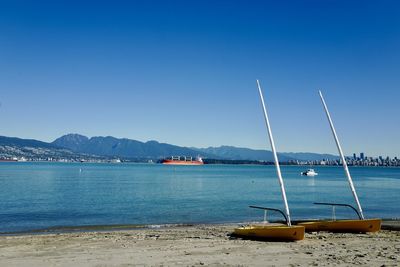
<point x="182" y="161"/>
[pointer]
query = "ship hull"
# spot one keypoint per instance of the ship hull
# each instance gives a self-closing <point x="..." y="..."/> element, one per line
<point x="181" y="162"/>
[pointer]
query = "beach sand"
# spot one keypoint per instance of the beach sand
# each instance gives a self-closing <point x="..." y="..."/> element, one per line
<point x="196" y="246"/>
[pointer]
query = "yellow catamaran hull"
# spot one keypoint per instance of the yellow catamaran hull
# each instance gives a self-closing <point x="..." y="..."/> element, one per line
<point x="344" y="226"/>
<point x="278" y="233"/>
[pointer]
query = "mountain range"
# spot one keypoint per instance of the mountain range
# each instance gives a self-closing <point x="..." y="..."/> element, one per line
<point x="121" y="147"/>
<point x="76" y="145"/>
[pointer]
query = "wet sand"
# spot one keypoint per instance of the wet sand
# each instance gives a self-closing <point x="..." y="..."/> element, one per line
<point x="196" y="246"/>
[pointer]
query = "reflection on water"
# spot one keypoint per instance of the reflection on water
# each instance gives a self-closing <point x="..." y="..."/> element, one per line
<point x="311" y="181"/>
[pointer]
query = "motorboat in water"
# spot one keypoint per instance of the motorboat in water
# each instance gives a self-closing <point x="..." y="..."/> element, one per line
<point x="309" y="172"/>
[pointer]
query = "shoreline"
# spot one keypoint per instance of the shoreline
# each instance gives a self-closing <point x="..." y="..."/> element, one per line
<point x="255" y="163"/>
<point x="197" y="245"/>
<point x="387" y="224"/>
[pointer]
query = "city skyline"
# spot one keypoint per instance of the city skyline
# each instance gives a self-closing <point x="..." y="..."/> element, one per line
<point x="185" y="74"/>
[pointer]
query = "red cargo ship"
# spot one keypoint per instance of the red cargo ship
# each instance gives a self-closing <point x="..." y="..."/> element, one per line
<point x="183" y="161"/>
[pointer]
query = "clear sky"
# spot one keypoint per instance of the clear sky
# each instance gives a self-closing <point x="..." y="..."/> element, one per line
<point x="183" y="72"/>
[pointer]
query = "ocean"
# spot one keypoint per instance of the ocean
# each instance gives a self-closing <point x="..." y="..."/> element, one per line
<point x="50" y="195"/>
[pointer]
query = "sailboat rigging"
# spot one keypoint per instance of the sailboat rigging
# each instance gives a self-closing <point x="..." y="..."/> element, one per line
<point x="277" y="232"/>
<point x="360" y="225"/>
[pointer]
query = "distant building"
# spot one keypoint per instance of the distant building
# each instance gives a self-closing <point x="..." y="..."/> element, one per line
<point x="362" y="155"/>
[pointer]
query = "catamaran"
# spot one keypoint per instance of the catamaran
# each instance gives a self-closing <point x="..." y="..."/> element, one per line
<point x="358" y="225"/>
<point x="279" y="232"/>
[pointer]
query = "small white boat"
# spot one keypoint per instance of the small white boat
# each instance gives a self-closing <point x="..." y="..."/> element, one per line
<point x="309" y="172"/>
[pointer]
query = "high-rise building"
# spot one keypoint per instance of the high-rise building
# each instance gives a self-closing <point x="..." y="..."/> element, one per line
<point x="354" y="156"/>
<point x="362" y="155"/>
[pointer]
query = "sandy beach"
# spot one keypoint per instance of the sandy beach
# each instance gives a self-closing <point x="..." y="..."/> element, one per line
<point x="196" y="246"/>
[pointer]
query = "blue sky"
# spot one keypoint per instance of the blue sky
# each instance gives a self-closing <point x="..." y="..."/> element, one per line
<point x="183" y="72"/>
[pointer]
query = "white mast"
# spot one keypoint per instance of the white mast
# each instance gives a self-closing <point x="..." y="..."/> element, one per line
<point x="278" y="169"/>
<point x="346" y="169"/>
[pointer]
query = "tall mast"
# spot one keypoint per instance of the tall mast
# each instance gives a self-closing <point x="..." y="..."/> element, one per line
<point x="278" y="169"/>
<point x="346" y="169"/>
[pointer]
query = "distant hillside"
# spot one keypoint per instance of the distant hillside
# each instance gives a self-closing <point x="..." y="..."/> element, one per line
<point x="18" y="142"/>
<point x="309" y="156"/>
<point x="111" y="146"/>
<point x="73" y="142"/>
<point x="16" y="147"/>
<point x="237" y="153"/>
<point x="75" y="146"/>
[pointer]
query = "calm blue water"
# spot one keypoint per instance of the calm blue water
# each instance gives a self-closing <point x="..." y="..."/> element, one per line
<point x="41" y="195"/>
